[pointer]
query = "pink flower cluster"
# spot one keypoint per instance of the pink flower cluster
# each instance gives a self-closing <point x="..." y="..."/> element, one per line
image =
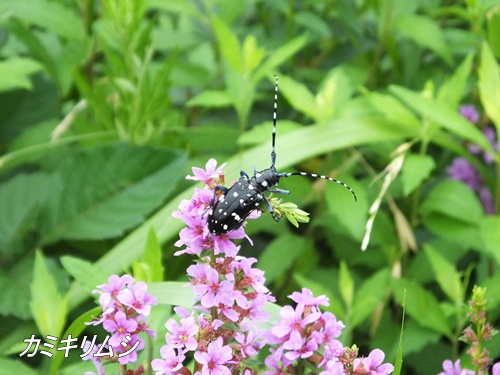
<point x="451" y="368"/>
<point x="304" y="332"/>
<point x="463" y="170"/>
<point x="225" y="329"/>
<point x="125" y="305"/>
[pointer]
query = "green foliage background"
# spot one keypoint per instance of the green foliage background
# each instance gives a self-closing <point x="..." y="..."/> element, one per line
<point x="106" y="105"/>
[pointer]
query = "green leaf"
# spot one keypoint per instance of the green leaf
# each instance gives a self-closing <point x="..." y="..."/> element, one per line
<point x="346" y="285"/>
<point x="49" y="15"/>
<point x="15" y="72"/>
<point x="426" y="33"/>
<point x="455" y="200"/>
<point x="422" y="306"/>
<point x="493" y="26"/>
<point x="252" y="54"/>
<point x="210" y="99"/>
<point x="452" y="211"/>
<point x="287" y="249"/>
<point x="153" y="259"/>
<point x="490" y="234"/>
<point x="298" y="95"/>
<point x="313" y="22"/>
<point x="368" y="296"/>
<point x="489" y="86"/>
<point x="9" y="367"/>
<point x="174" y="293"/>
<point x="115" y="188"/>
<point x="453" y="89"/>
<point x="228" y="44"/>
<point x="48" y="307"/>
<point x="416" y="169"/>
<point x="15" y="289"/>
<point x="336" y="90"/>
<point x="20" y="199"/>
<point x="280" y="55"/>
<point x="446" y="275"/>
<point x="442" y="115"/>
<point x="88" y="275"/>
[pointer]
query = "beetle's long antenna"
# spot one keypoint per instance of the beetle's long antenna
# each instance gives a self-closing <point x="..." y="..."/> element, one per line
<point x="285" y="174"/>
<point x="273" y="150"/>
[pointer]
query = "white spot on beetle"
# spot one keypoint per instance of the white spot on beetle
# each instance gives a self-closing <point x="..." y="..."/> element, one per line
<point x="235" y="194"/>
<point x="224" y="227"/>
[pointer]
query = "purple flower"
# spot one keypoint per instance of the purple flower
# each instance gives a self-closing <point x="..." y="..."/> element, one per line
<point x="111" y="290"/>
<point x="298" y="347"/>
<point x="209" y="174"/>
<point x="291" y="320"/>
<point x="247" y="348"/>
<point x="333" y="367"/>
<point x="451" y="368"/>
<point x="120" y="327"/>
<point x="496" y="369"/>
<point x="469" y="111"/>
<point x="215" y="359"/>
<point x="137" y="298"/>
<point x="183" y="336"/>
<point x="464" y="171"/>
<point x="278" y="367"/>
<point x="373" y="363"/>
<point x="171" y="362"/>
<point x="307" y="299"/>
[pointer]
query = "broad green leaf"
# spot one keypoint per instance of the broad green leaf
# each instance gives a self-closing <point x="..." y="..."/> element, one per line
<point x="252" y="54"/>
<point x="11" y="366"/>
<point x="47" y="14"/>
<point x="346" y="285"/>
<point x="115" y="188"/>
<point x="210" y="99"/>
<point x="313" y="22"/>
<point x="336" y="90"/>
<point x="174" y="293"/>
<point x="280" y="55"/>
<point x="442" y="115"/>
<point x="453" y="89"/>
<point x="15" y="72"/>
<point x="48" y="307"/>
<point x="259" y="133"/>
<point x="489" y="85"/>
<point x="88" y="275"/>
<point x="287" y="248"/>
<point x="15" y="289"/>
<point x="416" y="169"/>
<point x="426" y="33"/>
<point x="152" y="259"/>
<point x="368" y="296"/>
<point x="342" y="205"/>
<point x="446" y="275"/>
<point x="490" y="233"/>
<point x="228" y="44"/>
<point x="20" y="199"/>
<point x="455" y="200"/>
<point x="393" y="109"/>
<point x="299" y="96"/>
<point x="493" y="26"/>
<point x="422" y="306"/>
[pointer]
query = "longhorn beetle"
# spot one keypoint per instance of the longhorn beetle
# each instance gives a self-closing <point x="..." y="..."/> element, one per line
<point x="239" y="200"/>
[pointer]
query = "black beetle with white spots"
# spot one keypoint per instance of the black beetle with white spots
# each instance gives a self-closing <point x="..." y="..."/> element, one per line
<point x="237" y="202"/>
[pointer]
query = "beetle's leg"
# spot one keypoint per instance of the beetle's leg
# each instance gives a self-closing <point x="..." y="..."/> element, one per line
<point x="212" y="201"/>
<point x="270" y="209"/>
<point x="279" y="191"/>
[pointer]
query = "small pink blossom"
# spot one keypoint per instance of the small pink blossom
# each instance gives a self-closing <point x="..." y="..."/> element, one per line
<point x="451" y="368"/>
<point x="373" y="363"/>
<point x="214" y="360"/>
<point x="207" y="175"/>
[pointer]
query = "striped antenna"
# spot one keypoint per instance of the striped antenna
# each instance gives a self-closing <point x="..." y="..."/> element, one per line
<point x="285" y="174"/>
<point x="273" y="148"/>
